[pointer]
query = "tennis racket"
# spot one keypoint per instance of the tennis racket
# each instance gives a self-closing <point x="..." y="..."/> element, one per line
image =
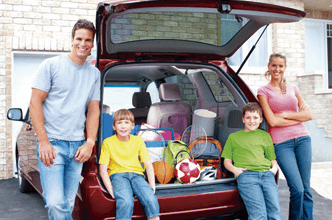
<point x="195" y="138"/>
<point x="154" y="142"/>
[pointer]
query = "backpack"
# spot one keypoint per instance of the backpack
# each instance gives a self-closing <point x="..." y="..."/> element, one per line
<point x="175" y="152"/>
<point x="211" y="155"/>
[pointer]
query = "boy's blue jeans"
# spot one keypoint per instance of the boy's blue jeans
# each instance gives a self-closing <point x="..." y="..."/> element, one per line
<point x="60" y="181"/>
<point x="294" y="159"/>
<point x="125" y="185"/>
<point x="259" y="192"/>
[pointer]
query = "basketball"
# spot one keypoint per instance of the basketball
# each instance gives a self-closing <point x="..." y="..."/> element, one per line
<point x="163" y="171"/>
<point x="187" y="171"/>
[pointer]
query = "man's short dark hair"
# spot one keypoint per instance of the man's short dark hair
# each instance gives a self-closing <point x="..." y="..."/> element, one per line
<point x="252" y="107"/>
<point x="85" y="24"/>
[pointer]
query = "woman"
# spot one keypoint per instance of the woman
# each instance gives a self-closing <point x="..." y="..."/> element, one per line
<point x="285" y="110"/>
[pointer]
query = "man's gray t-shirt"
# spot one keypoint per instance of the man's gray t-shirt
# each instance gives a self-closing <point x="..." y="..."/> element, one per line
<point x="70" y="87"/>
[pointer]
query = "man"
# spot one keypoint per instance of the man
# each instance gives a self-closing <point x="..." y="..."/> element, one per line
<point x="65" y="100"/>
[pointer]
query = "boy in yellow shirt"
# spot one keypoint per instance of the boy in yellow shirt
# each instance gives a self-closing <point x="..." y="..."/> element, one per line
<point x="121" y="170"/>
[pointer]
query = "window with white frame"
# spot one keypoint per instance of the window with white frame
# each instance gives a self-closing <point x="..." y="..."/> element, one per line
<point x="329" y="55"/>
<point x="260" y="55"/>
<point x="318" y="50"/>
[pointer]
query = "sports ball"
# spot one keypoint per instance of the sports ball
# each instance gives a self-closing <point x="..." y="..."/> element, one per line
<point x="163" y="171"/>
<point x="187" y="171"/>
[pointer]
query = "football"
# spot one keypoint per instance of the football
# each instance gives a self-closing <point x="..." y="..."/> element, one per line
<point x="163" y="171"/>
<point x="187" y="171"/>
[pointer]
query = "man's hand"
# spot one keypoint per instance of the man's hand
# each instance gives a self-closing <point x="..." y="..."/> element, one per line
<point x="84" y="152"/>
<point x="46" y="153"/>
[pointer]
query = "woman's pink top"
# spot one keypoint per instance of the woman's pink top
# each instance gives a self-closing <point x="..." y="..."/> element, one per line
<point x="283" y="103"/>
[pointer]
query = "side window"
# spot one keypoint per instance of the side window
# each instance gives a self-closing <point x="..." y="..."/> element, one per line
<point x="220" y="91"/>
<point x="118" y="97"/>
<point x="154" y="93"/>
<point x="187" y="88"/>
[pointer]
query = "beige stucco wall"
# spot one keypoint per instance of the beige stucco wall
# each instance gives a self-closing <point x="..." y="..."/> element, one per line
<point x="44" y="25"/>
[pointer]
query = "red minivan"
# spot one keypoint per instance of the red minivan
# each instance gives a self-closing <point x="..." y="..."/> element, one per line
<point x="164" y="60"/>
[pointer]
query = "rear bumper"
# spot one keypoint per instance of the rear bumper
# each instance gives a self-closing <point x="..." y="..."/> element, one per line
<point x="196" y="204"/>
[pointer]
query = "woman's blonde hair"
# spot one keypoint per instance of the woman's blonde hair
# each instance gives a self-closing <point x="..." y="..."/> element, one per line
<point x="283" y="82"/>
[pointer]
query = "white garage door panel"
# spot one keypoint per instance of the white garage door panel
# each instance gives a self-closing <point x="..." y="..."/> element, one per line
<point x="24" y="67"/>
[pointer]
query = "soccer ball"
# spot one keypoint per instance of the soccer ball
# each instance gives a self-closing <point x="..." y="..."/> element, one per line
<point x="187" y="171"/>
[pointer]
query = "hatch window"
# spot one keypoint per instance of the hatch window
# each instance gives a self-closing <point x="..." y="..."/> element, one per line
<point x="210" y="28"/>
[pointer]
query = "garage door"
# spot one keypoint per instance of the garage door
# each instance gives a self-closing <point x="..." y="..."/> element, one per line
<point x="24" y="67"/>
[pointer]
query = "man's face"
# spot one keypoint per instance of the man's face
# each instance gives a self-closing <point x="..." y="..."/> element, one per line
<point x="252" y="120"/>
<point x="82" y="43"/>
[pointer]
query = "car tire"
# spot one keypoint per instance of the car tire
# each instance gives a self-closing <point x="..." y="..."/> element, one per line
<point x="23" y="185"/>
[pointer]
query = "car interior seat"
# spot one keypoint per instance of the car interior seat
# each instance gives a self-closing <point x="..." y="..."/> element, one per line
<point x="107" y="122"/>
<point x="232" y="122"/>
<point x="171" y="111"/>
<point x="142" y="103"/>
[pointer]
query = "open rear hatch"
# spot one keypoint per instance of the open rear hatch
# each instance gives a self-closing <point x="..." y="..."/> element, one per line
<point x="193" y="30"/>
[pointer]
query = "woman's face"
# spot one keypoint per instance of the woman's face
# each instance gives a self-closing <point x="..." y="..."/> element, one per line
<point x="277" y="67"/>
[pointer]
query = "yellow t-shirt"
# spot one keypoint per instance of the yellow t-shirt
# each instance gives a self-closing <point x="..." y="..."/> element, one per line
<point x="123" y="157"/>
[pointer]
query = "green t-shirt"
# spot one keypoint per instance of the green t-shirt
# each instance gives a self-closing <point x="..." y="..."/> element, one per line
<point x="250" y="150"/>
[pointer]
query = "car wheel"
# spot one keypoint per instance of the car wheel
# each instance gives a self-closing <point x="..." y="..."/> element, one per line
<point x="23" y="184"/>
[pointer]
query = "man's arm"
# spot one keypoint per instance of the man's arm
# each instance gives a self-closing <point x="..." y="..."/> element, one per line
<point x="92" y="122"/>
<point x="46" y="150"/>
<point x="228" y="163"/>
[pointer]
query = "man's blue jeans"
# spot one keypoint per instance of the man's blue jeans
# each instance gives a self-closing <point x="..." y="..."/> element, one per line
<point x="60" y="181"/>
<point x="259" y="192"/>
<point x="125" y="185"/>
<point x="294" y="159"/>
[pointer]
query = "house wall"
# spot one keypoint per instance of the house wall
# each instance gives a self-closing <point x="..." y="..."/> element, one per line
<point x="289" y="39"/>
<point x="45" y="26"/>
<point x="29" y="26"/>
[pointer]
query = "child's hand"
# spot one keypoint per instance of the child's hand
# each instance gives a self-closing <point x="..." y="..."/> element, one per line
<point x="154" y="190"/>
<point x="274" y="170"/>
<point x="110" y="190"/>
<point x="238" y="171"/>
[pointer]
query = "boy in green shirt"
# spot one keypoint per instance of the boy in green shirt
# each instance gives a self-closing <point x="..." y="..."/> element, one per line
<point x="252" y="152"/>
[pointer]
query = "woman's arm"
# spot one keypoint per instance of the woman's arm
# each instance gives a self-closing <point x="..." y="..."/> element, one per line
<point x="228" y="163"/>
<point x="273" y="119"/>
<point x="106" y="179"/>
<point x="150" y="174"/>
<point x="304" y="113"/>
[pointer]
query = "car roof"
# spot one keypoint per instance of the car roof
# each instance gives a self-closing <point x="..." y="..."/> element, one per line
<point x="119" y="28"/>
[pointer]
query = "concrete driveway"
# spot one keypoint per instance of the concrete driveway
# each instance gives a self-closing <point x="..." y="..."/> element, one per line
<point x="15" y="205"/>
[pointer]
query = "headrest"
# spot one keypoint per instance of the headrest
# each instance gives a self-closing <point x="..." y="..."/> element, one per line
<point x="141" y="100"/>
<point x="106" y="109"/>
<point x="169" y="92"/>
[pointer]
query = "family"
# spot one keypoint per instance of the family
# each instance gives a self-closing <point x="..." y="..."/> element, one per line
<point x="65" y="104"/>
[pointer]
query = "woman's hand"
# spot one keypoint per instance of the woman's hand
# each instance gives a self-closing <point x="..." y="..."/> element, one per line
<point x="304" y="107"/>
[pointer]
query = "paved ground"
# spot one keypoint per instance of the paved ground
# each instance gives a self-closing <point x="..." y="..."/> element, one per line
<point x="18" y="206"/>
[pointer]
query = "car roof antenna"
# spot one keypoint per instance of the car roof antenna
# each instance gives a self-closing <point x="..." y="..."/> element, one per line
<point x="250" y="52"/>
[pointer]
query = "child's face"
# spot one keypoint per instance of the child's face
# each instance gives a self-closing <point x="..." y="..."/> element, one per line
<point x="252" y="120"/>
<point x="123" y="127"/>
